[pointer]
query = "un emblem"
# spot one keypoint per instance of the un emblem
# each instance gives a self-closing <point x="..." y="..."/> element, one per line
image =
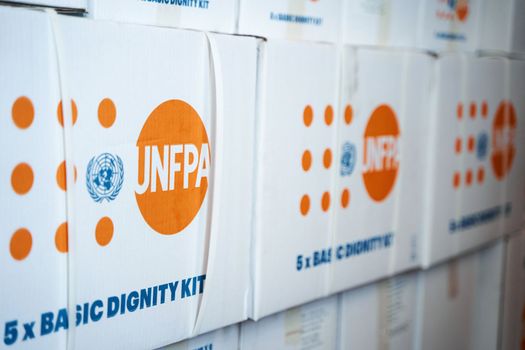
<point x="104" y="177"/>
<point x="482" y="146"/>
<point x="348" y="159"/>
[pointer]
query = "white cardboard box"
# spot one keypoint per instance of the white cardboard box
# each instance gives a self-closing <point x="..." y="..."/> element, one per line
<point x="513" y="301"/>
<point x="459" y="302"/>
<point x="68" y="4"/>
<point x="297" y="120"/>
<point x="312" y="20"/>
<point x="380" y="315"/>
<point x="162" y="141"/>
<point x="380" y="22"/>
<point x="448" y="25"/>
<point x="381" y="147"/>
<point x="475" y="172"/>
<point x="502" y="26"/>
<point x="310" y="326"/>
<point x="436" y="25"/>
<point x="336" y="219"/>
<point x="206" y="15"/>
<point x="226" y="338"/>
<point x="33" y="243"/>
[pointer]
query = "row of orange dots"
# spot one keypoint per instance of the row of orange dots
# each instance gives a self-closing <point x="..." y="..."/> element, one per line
<point x="471" y="144"/>
<point x="473" y="110"/>
<point x="469" y="177"/>
<point x="22" y="177"/>
<point x="306" y="159"/>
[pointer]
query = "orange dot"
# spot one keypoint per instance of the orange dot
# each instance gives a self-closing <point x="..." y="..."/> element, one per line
<point x="308" y="115"/>
<point x="327" y="158"/>
<point x="471" y="143"/>
<point x="468" y="178"/>
<point x="348" y="114"/>
<point x="20" y="244"/>
<point x="306" y="160"/>
<point x="107" y="112"/>
<point x="473" y="110"/>
<point x="345" y="198"/>
<point x="459" y="110"/>
<point x="104" y="231"/>
<point x="328" y="115"/>
<point x="61" y="238"/>
<point x="484" y="109"/>
<point x="61" y="175"/>
<point x="458" y="145"/>
<point x="23" y="112"/>
<point x="305" y="205"/>
<point x="457" y="179"/>
<point x="60" y="112"/>
<point x="481" y="175"/>
<point x="325" y="201"/>
<point x="22" y="178"/>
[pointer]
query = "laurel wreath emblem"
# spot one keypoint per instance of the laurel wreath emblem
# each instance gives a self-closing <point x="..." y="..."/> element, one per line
<point x="116" y="186"/>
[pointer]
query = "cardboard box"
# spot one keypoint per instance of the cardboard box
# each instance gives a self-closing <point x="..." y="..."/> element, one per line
<point x="328" y="226"/>
<point x="513" y="113"/>
<point x="502" y="26"/>
<point x="206" y="15"/>
<point x="309" y="326"/>
<point x="446" y="25"/>
<point x="380" y="22"/>
<point x="381" y="146"/>
<point x="291" y="19"/>
<point x="380" y="315"/>
<point x="297" y="118"/>
<point x="435" y="25"/>
<point x="162" y="140"/>
<point x="459" y="302"/>
<point x="32" y="177"/>
<point x="475" y="176"/>
<point x="224" y="338"/>
<point x="62" y="4"/>
<point x="513" y="302"/>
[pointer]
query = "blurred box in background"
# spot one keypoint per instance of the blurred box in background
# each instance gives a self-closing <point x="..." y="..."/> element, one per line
<point x="435" y="25"/>
<point x="379" y="157"/>
<point x="62" y="4"/>
<point x="380" y="315"/>
<point x="224" y="338"/>
<point x="502" y="26"/>
<point x="513" y="301"/>
<point x="34" y="239"/>
<point x="206" y="15"/>
<point x="380" y="22"/>
<point x="475" y="173"/>
<point x="310" y="20"/>
<point x="458" y="302"/>
<point x="309" y="326"/>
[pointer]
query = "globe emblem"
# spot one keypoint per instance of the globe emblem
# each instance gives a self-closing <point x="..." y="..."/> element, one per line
<point x="482" y="146"/>
<point x="348" y="159"/>
<point x="104" y="177"/>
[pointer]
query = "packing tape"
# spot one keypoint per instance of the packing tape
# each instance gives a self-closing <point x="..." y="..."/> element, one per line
<point x="68" y="156"/>
<point x="214" y="207"/>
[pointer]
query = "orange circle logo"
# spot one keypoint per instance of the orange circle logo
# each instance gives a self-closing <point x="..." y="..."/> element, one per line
<point x="381" y="153"/>
<point x="173" y="167"/>
<point x="503" y="132"/>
